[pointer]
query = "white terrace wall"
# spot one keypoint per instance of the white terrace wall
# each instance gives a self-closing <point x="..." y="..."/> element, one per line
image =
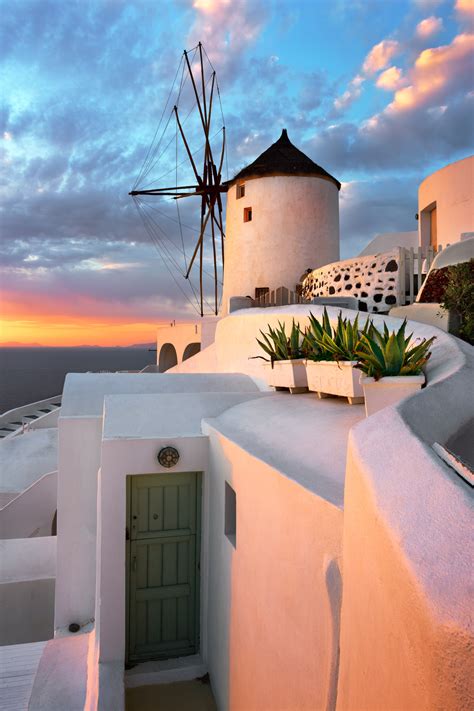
<point x="407" y="632"/>
<point x="407" y="562"/>
<point x="177" y="342"/>
<point x="274" y="598"/>
<point x="27" y="578"/>
<point x="32" y="512"/>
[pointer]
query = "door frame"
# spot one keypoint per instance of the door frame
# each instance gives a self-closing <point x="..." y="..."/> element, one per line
<point x="198" y="557"/>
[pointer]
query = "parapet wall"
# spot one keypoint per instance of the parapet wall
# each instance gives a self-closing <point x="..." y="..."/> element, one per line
<point x="406" y="633"/>
<point x="374" y="280"/>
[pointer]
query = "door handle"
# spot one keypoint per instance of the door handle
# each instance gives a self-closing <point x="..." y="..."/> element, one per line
<point x="134" y="563"/>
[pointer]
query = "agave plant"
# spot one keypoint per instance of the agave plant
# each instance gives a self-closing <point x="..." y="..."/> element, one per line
<point x="278" y="346"/>
<point x="389" y="354"/>
<point x="328" y="343"/>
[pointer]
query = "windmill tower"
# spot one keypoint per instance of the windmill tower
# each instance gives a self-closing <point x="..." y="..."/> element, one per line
<point x="282" y="219"/>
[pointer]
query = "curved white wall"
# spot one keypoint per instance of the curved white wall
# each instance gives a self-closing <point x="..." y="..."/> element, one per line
<point x="294" y="227"/>
<point x="451" y="189"/>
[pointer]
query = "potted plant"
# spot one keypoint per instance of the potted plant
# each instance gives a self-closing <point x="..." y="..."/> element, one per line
<point x="392" y="368"/>
<point x="331" y="358"/>
<point x="285" y="358"/>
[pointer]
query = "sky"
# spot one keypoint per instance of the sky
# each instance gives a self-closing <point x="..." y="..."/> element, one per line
<point x="378" y="92"/>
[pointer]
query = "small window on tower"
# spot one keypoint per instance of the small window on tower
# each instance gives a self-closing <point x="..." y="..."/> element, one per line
<point x="247" y="214"/>
<point x="240" y="191"/>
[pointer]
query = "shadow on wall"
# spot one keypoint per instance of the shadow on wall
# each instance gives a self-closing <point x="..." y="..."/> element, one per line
<point x="191" y="350"/>
<point x="168" y="357"/>
<point x="334" y="589"/>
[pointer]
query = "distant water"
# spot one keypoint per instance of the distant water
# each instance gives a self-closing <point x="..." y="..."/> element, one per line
<point x="31" y="374"/>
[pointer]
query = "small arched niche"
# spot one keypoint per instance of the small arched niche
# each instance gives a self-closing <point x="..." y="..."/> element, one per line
<point x="191" y="350"/>
<point x="168" y="357"/>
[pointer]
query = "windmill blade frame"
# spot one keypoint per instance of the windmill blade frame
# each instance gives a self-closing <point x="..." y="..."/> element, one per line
<point x="208" y="186"/>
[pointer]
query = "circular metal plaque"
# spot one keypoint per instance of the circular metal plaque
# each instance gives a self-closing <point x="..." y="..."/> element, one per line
<point x="168" y="457"/>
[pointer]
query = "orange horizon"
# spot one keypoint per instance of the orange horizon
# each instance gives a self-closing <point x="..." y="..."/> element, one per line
<point x="76" y="332"/>
<point x="83" y="321"/>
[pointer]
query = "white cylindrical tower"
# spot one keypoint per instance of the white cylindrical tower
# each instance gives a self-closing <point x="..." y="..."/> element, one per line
<point x="282" y="219"/>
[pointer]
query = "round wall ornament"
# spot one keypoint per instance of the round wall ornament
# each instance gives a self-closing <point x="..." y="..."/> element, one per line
<point x="168" y="457"/>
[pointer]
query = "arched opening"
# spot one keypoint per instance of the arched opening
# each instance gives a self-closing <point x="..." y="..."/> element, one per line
<point x="191" y="350"/>
<point x="168" y="357"/>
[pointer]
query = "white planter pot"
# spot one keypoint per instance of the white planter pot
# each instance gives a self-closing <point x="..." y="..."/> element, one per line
<point x="287" y="374"/>
<point x="328" y="377"/>
<point x="388" y="391"/>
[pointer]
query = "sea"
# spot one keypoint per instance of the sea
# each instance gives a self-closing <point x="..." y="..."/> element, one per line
<point x="32" y="374"/>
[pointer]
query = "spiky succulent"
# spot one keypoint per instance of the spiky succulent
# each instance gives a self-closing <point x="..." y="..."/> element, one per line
<point x="323" y="342"/>
<point x="382" y="354"/>
<point x="278" y="346"/>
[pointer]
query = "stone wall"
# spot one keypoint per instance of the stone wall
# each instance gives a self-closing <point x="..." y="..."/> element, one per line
<point x="373" y="279"/>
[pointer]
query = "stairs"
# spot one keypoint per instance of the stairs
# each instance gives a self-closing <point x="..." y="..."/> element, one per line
<point x="18" y="666"/>
<point x="15" y="420"/>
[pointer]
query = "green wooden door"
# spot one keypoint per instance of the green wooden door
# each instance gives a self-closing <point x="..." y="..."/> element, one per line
<point x="163" y="565"/>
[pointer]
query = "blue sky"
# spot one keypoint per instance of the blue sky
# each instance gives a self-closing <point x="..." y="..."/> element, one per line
<point x="379" y="92"/>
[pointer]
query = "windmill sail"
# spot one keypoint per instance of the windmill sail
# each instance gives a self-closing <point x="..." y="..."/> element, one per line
<point x="190" y="147"/>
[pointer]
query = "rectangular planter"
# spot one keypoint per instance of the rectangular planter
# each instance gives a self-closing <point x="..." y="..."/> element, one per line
<point x="287" y="374"/>
<point x="328" y="377"/>
<point x="389" y="390"/>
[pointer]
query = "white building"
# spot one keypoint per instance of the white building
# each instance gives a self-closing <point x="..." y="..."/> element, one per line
<point x="301" y="554"/>
<point x="282" y="219"/>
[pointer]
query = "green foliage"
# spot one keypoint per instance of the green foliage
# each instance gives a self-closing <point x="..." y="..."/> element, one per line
<point x="459" y="297"/>
<point x="388" y="354"/>
<point x="278" y="346"/>
<point x="323" y="342"/>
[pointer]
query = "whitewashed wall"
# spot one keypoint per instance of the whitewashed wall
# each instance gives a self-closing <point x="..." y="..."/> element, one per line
<point x="27" y="581"/>
<point x="374" y="280"/>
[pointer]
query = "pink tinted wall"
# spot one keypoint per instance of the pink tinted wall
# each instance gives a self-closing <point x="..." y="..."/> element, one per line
<point x="284" y="589"/>
<point x="401" y="648"/>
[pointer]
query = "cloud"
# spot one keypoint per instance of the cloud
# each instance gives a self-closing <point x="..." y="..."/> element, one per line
<point x="465" y="8"/>
<point x="398" y="141"/>
<point x="227" y="29"/>
<point x="429" y="27"/>
<point x="427" y="4"/>
<point x="379" y="56"/>
<point x="352" y="93"/>
<point x="390" y="79"/>
<point x="376" y="60"/>
<point x="437" y="73"/>
<point x="371" y="207"/>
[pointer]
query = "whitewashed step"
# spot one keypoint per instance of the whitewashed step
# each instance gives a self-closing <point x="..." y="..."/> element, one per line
<point x="18" y="666"/>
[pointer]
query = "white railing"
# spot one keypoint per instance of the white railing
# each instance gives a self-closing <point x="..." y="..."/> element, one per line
<point x="279" y="297"/>
<point x="414" y="265"/>
<point x="19" y="414"/>
<point x="30" y="514"/>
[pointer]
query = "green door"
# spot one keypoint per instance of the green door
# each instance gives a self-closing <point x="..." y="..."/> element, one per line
<point x="164" y="514"/>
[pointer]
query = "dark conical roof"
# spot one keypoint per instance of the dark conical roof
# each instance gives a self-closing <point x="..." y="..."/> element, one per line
<point x="283" y="158"/>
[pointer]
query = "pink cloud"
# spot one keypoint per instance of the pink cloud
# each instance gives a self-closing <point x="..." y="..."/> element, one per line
<point x="391" y="79"/>
<point x="226" y="28"/>
<point x="429" y="27"/>
<point x="435" y="73"/>
<point x="380" y="55"/>
<point x="465" y="7"/>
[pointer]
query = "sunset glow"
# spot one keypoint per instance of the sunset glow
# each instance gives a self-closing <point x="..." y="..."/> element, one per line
<point x="83" y="89"/>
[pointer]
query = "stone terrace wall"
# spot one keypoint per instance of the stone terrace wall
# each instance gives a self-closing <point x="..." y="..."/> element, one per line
<point x="374" y="280"/>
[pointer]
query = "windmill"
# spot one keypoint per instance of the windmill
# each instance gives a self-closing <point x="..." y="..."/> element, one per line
<point x="196" y="92"/>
